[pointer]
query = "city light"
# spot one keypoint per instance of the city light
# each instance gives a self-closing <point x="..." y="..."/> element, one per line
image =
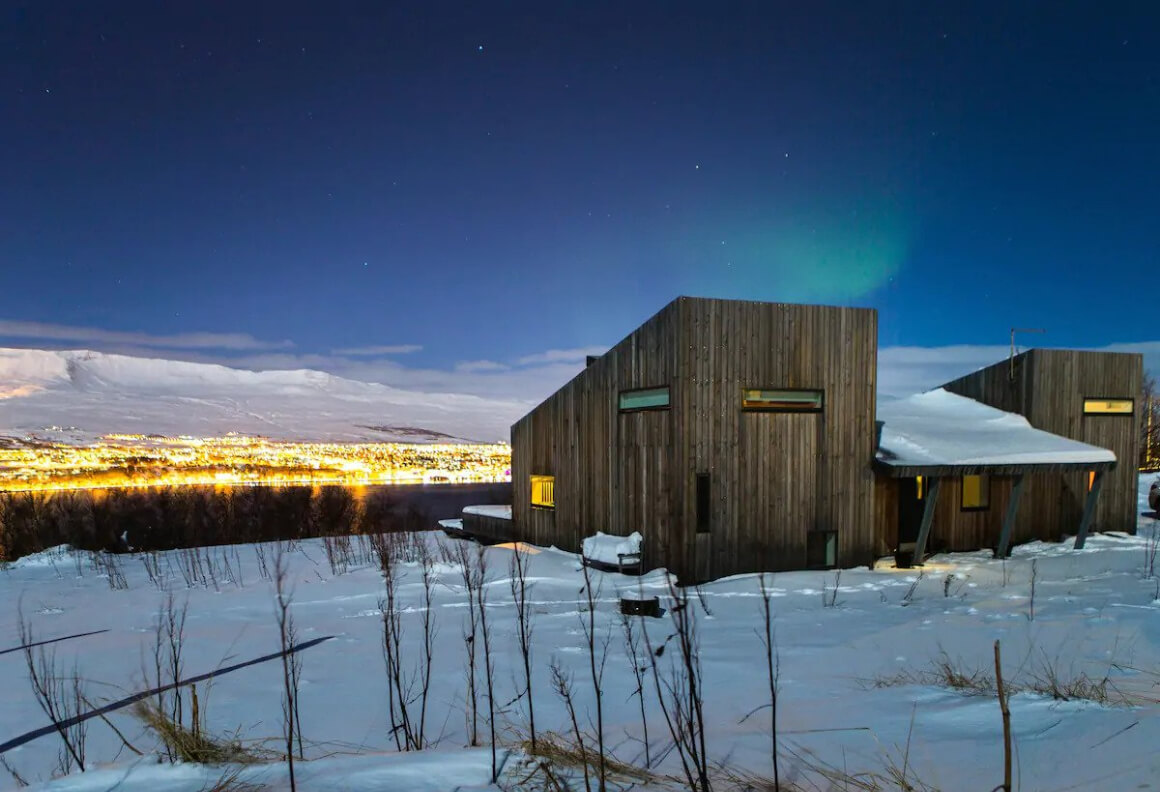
<point x="151" y="461"/>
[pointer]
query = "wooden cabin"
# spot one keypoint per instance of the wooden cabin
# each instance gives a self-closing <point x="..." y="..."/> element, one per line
<point x="1087" y="396"/>
<point x="736" y="436"/>
<point x="742" y="436"/>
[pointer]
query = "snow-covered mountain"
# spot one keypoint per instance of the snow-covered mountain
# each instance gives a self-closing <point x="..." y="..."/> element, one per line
<point x="74" y="396"/>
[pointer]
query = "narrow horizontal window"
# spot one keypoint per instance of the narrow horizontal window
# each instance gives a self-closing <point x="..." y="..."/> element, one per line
<point x="781" y="400"/>
<point x="1107" y="406"/>
<point x="544" y="491"/>
<point x="645" y="399"/>
<point x="976" y="492"/>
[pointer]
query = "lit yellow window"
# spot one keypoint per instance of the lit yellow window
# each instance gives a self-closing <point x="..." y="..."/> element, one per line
<point x="976" y="492"/>
<point x="1091" y="479"/>
<point x="918" y="486"/>
<point x="781" y="400"/>
<point x="544" y="491"/>
<point x="1107" y="406"/>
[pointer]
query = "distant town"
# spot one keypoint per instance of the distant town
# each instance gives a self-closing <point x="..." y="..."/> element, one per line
<point x="152" y="461"/>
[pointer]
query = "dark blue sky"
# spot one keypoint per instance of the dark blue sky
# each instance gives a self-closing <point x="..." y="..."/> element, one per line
<point x="491" y="181"/>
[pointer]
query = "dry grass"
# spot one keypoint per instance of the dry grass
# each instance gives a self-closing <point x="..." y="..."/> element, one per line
<point x="229" y="781"/>
<point x="555" y="761"/>
<point x="896" y="775"/>
<point x="195" y="746"/>
<point x="942" y="672"/>
<point x="1048" y="678"/>
<point x="728" y="779"/>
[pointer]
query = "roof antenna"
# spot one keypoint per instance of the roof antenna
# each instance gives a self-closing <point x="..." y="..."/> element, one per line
<point x="1011" y="359"/>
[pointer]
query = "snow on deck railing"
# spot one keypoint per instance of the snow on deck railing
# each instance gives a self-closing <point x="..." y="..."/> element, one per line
<point x="613" y="550"/>
<point x="499" y="512"/>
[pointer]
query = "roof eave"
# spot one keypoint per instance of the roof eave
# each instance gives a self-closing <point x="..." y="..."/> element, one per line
<point x="908" y="470"/>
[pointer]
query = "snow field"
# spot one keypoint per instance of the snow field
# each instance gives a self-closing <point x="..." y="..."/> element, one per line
<point x="1095" y="614"/>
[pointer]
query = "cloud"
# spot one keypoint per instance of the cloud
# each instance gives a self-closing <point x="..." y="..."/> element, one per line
<point x="92" y="336"/>
<point x="577" y="355"/>
<point x="377" y="351"/>
<point x="481" y="365"/>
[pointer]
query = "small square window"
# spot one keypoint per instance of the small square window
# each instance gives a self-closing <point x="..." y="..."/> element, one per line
<point x="644" y="399"/>
<point x="544" y="491"/>
<point x="759" y="400"/>
<point x="976" y="493"/>
<point x="1107" y="406"/>
<point x="822" y="549"/>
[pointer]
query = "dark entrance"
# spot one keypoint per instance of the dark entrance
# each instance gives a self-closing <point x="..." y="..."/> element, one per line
<point x="910" y="507"/>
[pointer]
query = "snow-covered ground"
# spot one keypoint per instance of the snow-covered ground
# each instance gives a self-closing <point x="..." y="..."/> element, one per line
<point x="76" y="396"/>
<point x="1094" y="612"/>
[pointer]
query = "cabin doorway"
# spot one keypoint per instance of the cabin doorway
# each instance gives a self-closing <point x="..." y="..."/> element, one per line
<point x="911" y="492"/>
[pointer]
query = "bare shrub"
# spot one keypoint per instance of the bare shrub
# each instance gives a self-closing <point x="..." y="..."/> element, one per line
<point x="1031" y="599"/>
<point x="679" y="690"/>
<point x="519" y="587"/>
<point x="1151" y="547"/>
<point x="639" y="669"/>
<point x="108" y="565"/>
<point x="773" y="672"/>
<point x="408" y="689"/>
<point x="562" y="684"/>
<point x="291" y="665"/>
<point x="488" y="662"/>
<point x="427" y="648"/>
<point x="830" y="596"/>
<point x="597" y="659"/>
<point x="908" y="597"/>
<point x="460" y="554"/>
<point x="152" y="563"/>
<point x="168" y="646"/>
<point x="61" y="696"/>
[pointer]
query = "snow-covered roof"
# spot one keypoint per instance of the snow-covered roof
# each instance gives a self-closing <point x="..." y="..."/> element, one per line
<point x="496" y="511"/>
<point x="941" y="429"/>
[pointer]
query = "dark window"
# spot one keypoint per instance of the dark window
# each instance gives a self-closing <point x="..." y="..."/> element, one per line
<point x="1107" y="407"/>
<point x="703" y="503"/>
<point x="644" y="399"/>
<point x="822" y="549"/>
<point x="758" y="399"/>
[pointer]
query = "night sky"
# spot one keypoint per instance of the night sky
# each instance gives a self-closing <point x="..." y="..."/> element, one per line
<point x="507" y="185"/>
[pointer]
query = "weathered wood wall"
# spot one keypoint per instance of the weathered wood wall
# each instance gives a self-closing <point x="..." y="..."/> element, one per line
<point x="774" y="476"/>
<point x="1048" y="388"/>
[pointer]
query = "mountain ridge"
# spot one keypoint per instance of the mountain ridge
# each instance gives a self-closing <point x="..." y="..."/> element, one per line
<point x="96" y="393"/>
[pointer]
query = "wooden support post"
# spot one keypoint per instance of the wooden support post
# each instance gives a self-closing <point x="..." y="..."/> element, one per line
<point x="1003" y="549"/>
<point x="927" y="519"/>
<point x="1089" y="509"/>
